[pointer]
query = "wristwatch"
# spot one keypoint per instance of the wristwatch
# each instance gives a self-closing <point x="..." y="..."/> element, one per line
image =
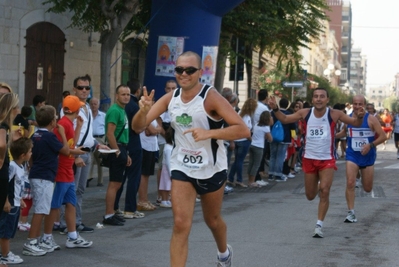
<point x="372" y="145"/>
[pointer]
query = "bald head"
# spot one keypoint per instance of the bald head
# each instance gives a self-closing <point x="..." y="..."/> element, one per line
<point x="359" y="98"/>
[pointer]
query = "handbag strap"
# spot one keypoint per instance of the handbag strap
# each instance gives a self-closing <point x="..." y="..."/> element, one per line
<point x="87" y="131"/>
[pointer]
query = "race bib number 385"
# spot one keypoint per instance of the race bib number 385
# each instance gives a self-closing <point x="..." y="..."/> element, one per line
<point x="192" y="158"/>
<point x="316" y="132"/>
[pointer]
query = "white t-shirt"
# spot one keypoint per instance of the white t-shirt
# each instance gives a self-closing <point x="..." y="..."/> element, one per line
<point x="149" y="143"/>
<point x="247" y="120"/>
<point x="17" y="176"/>
<point x="258" y="136"/>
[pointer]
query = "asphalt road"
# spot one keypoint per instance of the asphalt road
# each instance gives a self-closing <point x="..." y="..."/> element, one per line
<point x="271" y="226"/>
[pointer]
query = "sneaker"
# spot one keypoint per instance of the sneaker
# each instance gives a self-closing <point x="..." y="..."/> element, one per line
<point x="119" y="218"/>
<point x="113" y="221"/>
<point x="11" y="258"/>
<point x="50" y="241"/>
<point x="351" y="218"/>
<point x="133" y="215"/>
<point x="317" y="232"/>
<point x="166" y="204"/>
<point x="226" y="262"/>
<point x="32" y="248"/>
<point x="281" y="178"/>
<point x="56" y="227"/>
<point x="158" y="201"/>
<point x="119" y="213"/>
<point x="271" y="178"/>
<point x="228" y="189"/>
<point x="79" y="242"/>
<point x="48" y="244"/>
<point x="358" y="183"/>
<point x="63" y="230"/>
<point x="197" y="199"/>
<point x="262" y="183"/>
<point x="24" y="227"/>
<point x="291" y="175"/>
<point x="81" y="228"/>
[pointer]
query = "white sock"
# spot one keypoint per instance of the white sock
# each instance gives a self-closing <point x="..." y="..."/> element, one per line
<point x="73" y="235"/>
<point x="352" y="211"/>
<point x="108" y="216"/>
<point x="320" y="223"/>
<point x="47" y="236"/>
<point x="224" y="254"/>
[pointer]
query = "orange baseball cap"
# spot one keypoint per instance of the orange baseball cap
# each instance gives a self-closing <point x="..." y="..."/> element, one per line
<point x="71" y="104"/>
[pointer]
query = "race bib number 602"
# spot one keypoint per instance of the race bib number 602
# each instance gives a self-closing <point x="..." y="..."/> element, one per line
<point x="192" y="158"/>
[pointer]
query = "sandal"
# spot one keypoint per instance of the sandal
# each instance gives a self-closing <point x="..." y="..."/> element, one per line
<point x="241" y="184"/>
<point x="144" y="207"/>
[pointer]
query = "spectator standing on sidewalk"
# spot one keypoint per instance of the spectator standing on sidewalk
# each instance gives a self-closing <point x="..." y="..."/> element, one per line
<point x="263" y="99"/>
<point x="165" y="121"/>
<point x="133" y="172"/>
<point x="99" y="135"/>
<point x="64" y="190"/>
<point x="117" y="136"/>
<point x="278" y="150"/>
<point x="81" y="89"/>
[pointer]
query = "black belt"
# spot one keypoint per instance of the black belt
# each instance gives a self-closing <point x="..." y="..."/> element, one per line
<point x="98" y="136"/>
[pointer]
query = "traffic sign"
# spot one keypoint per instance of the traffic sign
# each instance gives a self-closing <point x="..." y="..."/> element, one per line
<point x="297" y="84"/>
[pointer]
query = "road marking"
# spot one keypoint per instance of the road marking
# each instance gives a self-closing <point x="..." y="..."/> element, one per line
<point x="394" y="166"/>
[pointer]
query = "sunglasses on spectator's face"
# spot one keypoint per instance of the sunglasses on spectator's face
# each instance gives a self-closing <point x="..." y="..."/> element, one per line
<point x="83" y="87"/>
<point x="188" y="70"/>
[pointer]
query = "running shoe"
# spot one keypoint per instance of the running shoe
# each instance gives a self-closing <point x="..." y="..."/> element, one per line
<point x="79" y="242"/>
<point x="262" y="183"/>
<point x="317" y="232"/>
<point x="24" y="227"/>
<point x="32" y="248"/>
<point x="291" y="175"/>
<point x="228" y="189"/>
<point x="11" y="258"/>
<point x="81" y="228"/>
<point x="51" y="242"/>
<point x="113" y="221"/>
<point x="358" y="183"/>
<point x="166" y="204"/>
<point x="280" y="179"/>
<point x="226" y="262"/>
<point x="351" y="218"/>
<point x="48" y="244"/>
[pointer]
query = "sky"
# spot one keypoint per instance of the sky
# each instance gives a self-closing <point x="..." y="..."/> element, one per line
<point x="375" y="29"/>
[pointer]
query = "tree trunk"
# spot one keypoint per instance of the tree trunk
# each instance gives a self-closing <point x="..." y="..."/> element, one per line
<point x="224" y="45"/>
<point x="107" y="46"/>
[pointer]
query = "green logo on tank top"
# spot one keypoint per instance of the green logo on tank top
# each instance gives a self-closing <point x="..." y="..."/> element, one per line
<point x="184" y="119"/>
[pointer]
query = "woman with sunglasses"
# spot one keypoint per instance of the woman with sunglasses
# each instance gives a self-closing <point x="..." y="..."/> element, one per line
<point x="198" y="161"/>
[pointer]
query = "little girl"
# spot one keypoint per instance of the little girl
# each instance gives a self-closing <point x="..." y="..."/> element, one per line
<point x="261" y="131"/>
<point x="165" y="182"/>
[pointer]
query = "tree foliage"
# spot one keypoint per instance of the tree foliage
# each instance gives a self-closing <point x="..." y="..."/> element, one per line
<point x="279" y="28"/>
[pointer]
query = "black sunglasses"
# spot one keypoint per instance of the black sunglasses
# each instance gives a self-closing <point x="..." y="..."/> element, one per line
<point x="83" y="87"/>
<point x="188" y="70"/>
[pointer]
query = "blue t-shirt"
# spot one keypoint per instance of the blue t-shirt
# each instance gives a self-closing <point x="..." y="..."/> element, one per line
<point x="45" y="151"/>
